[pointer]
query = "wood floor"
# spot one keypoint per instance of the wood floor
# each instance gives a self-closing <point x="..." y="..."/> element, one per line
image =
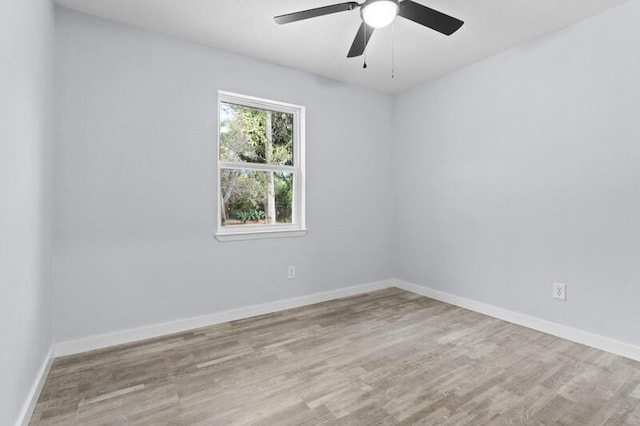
<point x="385" y="358"/>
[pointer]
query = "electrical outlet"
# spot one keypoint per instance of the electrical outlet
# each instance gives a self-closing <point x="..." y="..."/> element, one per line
<point x="560" y="291"/>
<point x="292" y="272"/>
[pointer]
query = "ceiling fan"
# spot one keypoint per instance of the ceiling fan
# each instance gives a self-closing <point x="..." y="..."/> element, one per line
<point x="379" y="14"/>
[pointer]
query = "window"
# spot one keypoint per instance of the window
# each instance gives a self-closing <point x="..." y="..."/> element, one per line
<point x="260" y="168"/>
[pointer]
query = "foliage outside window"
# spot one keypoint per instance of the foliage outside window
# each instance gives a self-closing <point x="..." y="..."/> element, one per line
<point x="260" y="168"/>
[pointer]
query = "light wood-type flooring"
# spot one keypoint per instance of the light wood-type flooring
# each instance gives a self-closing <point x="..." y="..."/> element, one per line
<point x="384" y="358"/>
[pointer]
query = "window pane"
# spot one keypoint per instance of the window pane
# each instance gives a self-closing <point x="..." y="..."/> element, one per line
<point x="254" y="135"/>
<point x="251" y="197"/>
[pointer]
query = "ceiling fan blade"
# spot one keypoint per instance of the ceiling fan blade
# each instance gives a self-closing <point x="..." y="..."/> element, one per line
<point x="312" y="13"/>
<point x="361" y="40"/>
<point x="428" y="17"/>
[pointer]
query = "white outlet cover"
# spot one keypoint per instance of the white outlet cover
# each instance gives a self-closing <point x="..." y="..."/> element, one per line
<point x="560" y="291"/>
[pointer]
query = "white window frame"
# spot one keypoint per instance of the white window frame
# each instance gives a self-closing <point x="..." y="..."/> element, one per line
<point x="297" y="226"/>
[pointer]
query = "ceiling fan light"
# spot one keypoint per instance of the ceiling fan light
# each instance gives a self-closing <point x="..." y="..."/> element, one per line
<point x="380" y="13"/>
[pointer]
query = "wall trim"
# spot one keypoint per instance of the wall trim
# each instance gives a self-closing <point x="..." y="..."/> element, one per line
<point x="131" y="335"/>
<point x="573" y="334"/>
<point x="34" y="393"/>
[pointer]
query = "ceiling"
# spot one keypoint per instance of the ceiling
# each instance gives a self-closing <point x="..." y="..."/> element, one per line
<point x="320" y="45"/>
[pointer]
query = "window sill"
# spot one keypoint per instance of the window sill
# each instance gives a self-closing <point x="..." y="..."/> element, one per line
<point x="259" y="235"/>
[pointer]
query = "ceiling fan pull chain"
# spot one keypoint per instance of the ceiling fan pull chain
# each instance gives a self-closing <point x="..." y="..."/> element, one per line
<point x="364" y="53"/>
<point x="393" y="32"/>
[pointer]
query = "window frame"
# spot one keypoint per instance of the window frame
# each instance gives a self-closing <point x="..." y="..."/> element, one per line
<point x="297" y="226"/>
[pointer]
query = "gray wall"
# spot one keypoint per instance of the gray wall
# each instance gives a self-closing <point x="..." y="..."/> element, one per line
<point x="505" y="176"/>
<point x="135" y="182"/>
<point x="524" y="169"/>
<point x="26" y="29"/>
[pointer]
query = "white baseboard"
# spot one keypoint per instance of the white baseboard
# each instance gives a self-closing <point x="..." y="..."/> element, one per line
<point x="575" y="335"/>
<point x="132" y="335"/>
<point x="127" y="336"/>
<point x="36" y="388"/>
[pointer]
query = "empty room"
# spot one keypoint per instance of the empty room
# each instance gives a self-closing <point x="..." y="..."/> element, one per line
<point x="386" y="212"/>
